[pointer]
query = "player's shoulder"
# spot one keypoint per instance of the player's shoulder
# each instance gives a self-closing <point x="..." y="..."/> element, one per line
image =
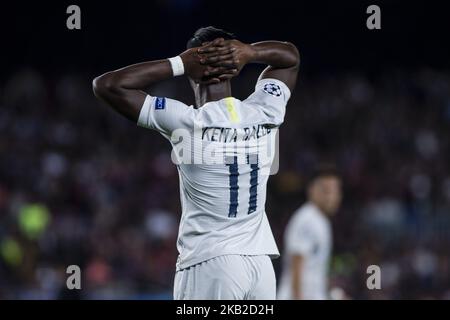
<point x="317" y="218"/>
<point x="163" y="105"/>
<point x="165" y="114"/>
<point x="270" y="97"/>
<point x="307" y="210"/>
<point x="307" y="214"/>
<point x="269" y="89"/>
<point x="161" y="102"/>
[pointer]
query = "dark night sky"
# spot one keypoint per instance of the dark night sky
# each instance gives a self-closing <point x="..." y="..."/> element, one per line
<point x="331" y="35"/>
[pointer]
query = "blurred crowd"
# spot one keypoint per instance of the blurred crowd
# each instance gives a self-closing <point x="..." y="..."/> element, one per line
<point x="79" y="185"/>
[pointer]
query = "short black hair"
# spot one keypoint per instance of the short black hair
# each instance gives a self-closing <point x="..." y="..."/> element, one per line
<point x="207" y="34"/>
<point x="322" y="170"/>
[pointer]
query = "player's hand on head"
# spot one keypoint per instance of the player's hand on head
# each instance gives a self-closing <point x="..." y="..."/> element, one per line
<point x="205" y="73"/>
<point x="232" y="54"/>
<point x="217" y="73"/>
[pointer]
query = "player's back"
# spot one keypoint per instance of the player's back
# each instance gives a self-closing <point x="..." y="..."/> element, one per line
<point x="224" y="152"/>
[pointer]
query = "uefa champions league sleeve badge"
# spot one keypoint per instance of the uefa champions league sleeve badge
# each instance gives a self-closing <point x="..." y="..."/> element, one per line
<point x="273" y="89"/>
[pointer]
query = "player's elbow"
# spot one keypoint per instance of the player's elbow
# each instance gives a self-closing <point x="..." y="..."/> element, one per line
<point x="294" y="54"/>
<point x="104" y="85"/>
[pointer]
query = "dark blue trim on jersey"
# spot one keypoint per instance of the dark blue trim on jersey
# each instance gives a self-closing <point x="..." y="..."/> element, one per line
<point x="253" y="188"/>
<point x="234" y="173"/>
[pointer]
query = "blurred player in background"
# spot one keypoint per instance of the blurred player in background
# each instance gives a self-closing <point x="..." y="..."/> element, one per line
<point x="225" y="242"/>
<point x="308" y="239"/>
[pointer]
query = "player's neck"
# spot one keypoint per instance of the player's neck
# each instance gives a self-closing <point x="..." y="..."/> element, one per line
<point x="319" y="207"/>
<point x="213" y="92"/>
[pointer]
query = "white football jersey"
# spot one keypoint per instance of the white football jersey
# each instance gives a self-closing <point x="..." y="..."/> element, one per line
<point x="224" y="152"/>
<point x="308" y="234"/>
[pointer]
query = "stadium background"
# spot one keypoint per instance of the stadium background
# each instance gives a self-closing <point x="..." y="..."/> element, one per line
<point x="80" y="185"/>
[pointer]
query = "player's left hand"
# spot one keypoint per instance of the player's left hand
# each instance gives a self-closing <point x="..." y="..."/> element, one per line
<point x="226" y="54"/>
<point x="215" y="72"/>
<point x="204" y="73"/>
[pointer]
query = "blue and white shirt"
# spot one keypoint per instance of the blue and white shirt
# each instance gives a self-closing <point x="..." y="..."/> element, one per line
<point x="224" y="152"/>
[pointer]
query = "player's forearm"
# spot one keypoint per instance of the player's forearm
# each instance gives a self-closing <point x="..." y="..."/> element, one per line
<point x="296" y="286"/>
<point x="134" y="77"/>
<point x="276" y="54"/>
<point x="296" y="271"/>
<point x="123" y="89"/>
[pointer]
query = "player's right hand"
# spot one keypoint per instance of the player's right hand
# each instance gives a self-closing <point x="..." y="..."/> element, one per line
<point x="227" y="54"/>
<point x="203" y="72"/>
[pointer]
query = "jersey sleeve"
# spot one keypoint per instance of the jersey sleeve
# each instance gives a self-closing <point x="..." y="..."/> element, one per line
<point x="165" y="115"/>
<point x="300" y="238"/>
<point x="271" y="95"/>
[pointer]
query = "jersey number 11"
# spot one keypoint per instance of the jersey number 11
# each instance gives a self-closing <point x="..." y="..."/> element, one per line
<point x="232" y="163"/>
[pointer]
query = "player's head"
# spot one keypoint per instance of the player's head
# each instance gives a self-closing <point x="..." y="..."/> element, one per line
<point x="208" y="34"/>
<point x="324" y="188"/>
<point x="200" y="38"/>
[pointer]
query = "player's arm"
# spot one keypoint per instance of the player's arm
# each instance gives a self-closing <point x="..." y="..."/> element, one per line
<point x="123" y="89"/>
<point x="299" y="241"/>
<point x="282" y="58"/>
<point x="296" y="269"/>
